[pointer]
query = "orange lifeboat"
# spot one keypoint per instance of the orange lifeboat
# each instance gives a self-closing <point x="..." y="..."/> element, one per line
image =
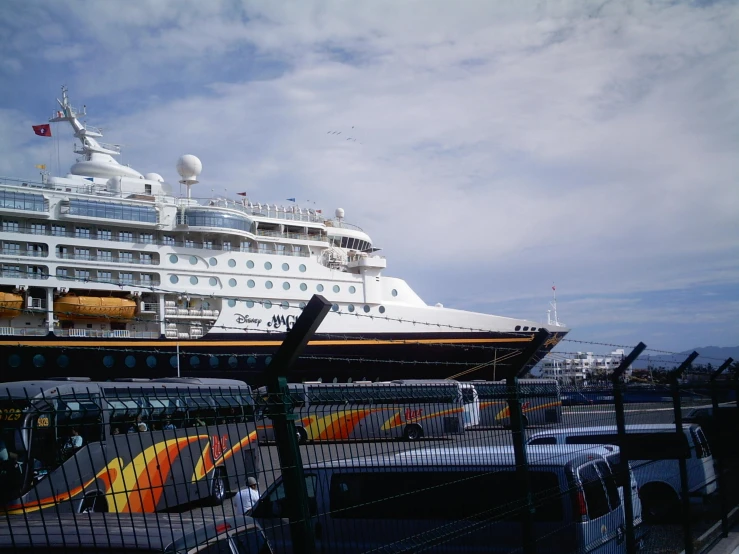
<point x="10" y="304"/>
<point x="72" y="307"/>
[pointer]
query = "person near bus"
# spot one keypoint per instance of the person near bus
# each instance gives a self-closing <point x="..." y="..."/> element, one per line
<point x="168" y="425"/>
<point x="74" y="442"/>
<point x="138" y="425"/>
<point x="246" y="498"/>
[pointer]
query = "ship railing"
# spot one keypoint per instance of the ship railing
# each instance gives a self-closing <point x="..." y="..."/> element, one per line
<point x="106" y="334"/>
<point x="289" y="213"/>
<point x="342" y="225"/>
<point x="18" y="252"/>
<point x="110" y="280"/>
<point x="23" y="331"/>
<point x="116" y="259"/>
<point x="21" y="272"/>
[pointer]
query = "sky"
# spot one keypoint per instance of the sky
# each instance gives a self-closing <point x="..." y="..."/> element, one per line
<point x="499" y="148"/>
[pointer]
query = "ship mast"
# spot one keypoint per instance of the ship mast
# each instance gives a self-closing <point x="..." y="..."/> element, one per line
<point x="552" y="318"/>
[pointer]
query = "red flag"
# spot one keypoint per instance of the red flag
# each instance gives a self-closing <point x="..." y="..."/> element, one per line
<point x="553" y="287"/>
<point x="241" y="193"/>
<point x="319" y="211"/>
<point x="42" y="130"/>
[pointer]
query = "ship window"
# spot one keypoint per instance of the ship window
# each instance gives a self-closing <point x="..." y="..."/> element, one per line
<point x="173" y="259"/>
<point x="62" y="361"/>
<point x="12" y="271"/>
<point x="194" y="361"/>
<point x="268" y="284"/>
<point x="335" y="307"/>
<point x="286" y="285"/>
<point x="267" y="305"/>
<point x="231" y="302"/>
<point x="319" y="287"/>
<point x="251" y="361"/>
<point x="268" y="360"/>
<point x="61" y="272"/>
<point x="38" y="229"/>
<point x="82" y="232"/>
<point x="203" y="218"/>
<point x="146" y="259"/>
<point x="231" y="263"/>
<point x="301" y="305"/>
<point x="366" y="308"/>
<point x="125" y="236"/>
<point x="82" y="274"/>
<point x="168" y="240"/>
<point x="303" y="286"/>
<point x="14" y="360"/>
<point x="302" y="268"/>
<point x="146" y="238"/>
<point x="232" y="282"/>
<point x="208" y="244"/>
<point x="174" y="279"/>
<point x="267" y="265"/>
<point x="56" y="230"/>
<point x="250" y="283"/>
<point x="109" y="360"/>
<point x="39" y="360"/>
<point x="110" y="210"/>
<point x="173" y="361"/>
<point x="193" y="280"/>
<point x="382" y="309"/>
<point x="285" y="305"/>
<point x="533" y="328"/>
<point x="213" y="261"/>
<point x="22" y="201"/>
<point x="285" y="267"/>
<point x="125" y="256"/>
<point x="249" y="303"/>
<point x="213" y="361"/>
<point x="193" y="260"/>
<point x="233" y="362"/>
<point x="525" y="328"/>
<point x="126" y="277"/>
<point x="12" y="248"/>
<point x="105" y="234"/>
<point x="130" y="361"/>
<point x="352" y="290"/>
<point x="337" y="288"/>
<point x="213" y="281"/>
<point x="350" y="307"/>
<point x="250" y="264"/>
<point x="394" y="292"/>
<point x="151" y="361"/>
<point x="105" y="276"/>
<point x="226" y="246"/>
<point x="518" y="328"/>
<point x="189" y="243"/>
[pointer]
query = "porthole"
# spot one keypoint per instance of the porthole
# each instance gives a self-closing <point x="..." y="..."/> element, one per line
<point x="173" y="361"/>
<point x="334" y="307"/>
<point x="268" y="360"/>
<point x="194" y="361"/>
<point x="267" y="265"/>
<point x="213" y="361"/>
<point x="526" y="328"/>
<point x="231" y="263"/>
<point x="213" y="281"/>
<point x="14" y="360"/>
<point x="213" y="261"/>
<point x="268" y="284"/>
<point x="250" y="283"/>
<point x="285" y="267"/>
<point x="366" y="309"/>
<point x="193" y="280"/>
<point x="173" y="259"/>
<point x="350" y="307"/>
<point x="267" y="305"/>
<point x="302" y="268"/>
<point x="286" y="285"/>
<point x="533" y="328"/>
<point x="319" y="287"/>
<point x="151" y="361"/>
<point x="232" y="282"/>
<point x="130" y="361"/>
<point x="249" y="303"/>
<point x="62" y="360"/>
<point x="285" y="305"/>
<point x="108" y="361"/>
<point x="518" y="328"/>
<point x="39" y="360"/>
<point x="251" y="361"/>
<point x="174" y="279"/>
<point x="337" y="288"/>
<point x="303" y="286"/>
<point x="352" y="290"/>
<point x="394" y="292"/>
<point x="382" y="309"/>
<point x="301" y="305"/>
<point x="233" y="362"/>
<point x="193" y="260"/>
<point x="250" y="264"/>
<point x="231" y="303"/>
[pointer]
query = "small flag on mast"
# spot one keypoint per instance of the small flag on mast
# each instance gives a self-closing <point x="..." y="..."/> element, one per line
<point x="42" y="130"/>
<point x="40" y="166"/>
<point x="553" y="288"/>
<point x="241" y="193"/>
<point x="291" y="199"/>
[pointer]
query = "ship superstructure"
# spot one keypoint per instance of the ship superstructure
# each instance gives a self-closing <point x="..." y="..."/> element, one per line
<point x="106" y="272"/>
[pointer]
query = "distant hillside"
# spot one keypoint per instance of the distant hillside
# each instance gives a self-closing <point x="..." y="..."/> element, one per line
<point x="715" y="355"/>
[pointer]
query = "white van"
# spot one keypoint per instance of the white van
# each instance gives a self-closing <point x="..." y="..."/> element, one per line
<point x="650" y="444"/>
<point x="455" y="500"/>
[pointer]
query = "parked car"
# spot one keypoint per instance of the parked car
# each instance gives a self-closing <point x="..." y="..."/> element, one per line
<point x="721" y="429"/>
<point x="464" y="499"/>
<point x="116" y="533"/>
<point x="653" y="450"/>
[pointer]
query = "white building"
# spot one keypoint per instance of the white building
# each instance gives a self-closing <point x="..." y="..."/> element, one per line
<point x="582" y="368"/>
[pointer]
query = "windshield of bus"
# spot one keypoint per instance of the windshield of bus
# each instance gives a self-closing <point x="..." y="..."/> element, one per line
<point x="13" y="446"/>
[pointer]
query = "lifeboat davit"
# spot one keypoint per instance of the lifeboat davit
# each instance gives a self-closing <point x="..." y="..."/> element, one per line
<point x="10" y="304"/>
<point x="90" y="307"/>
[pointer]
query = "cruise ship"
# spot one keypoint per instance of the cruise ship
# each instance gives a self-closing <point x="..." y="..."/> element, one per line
<point x="107" y="273"/>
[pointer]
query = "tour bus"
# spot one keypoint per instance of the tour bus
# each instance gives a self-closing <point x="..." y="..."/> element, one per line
<point x="365" y="410"/>
<point x="540" y="399"/>
<point x="124" y="446"/>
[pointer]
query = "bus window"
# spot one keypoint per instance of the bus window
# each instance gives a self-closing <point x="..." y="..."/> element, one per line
<point x="81" y="415"/>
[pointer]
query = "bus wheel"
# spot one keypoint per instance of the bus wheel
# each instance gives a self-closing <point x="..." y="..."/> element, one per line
<point x="302" y="435"/>
<point x="660" y="504"/>
<point x="412" y="432"/>
<point x="217" y="488"/>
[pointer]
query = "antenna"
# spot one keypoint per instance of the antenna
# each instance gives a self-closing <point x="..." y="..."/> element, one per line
<point x="553" y="321"/>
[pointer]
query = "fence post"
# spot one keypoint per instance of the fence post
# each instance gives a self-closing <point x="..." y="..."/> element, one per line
<point x="685" y="489"/>
<point x="718" y="460"/>
<point x="519" y="442"/>
<point x="288" y="450"/>
<point x="623" y="470"/>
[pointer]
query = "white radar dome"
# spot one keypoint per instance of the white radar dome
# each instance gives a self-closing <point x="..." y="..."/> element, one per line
<point x="340" y="213"/>
<point x="189" y="167"/>
<point x="154" y="177"/>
